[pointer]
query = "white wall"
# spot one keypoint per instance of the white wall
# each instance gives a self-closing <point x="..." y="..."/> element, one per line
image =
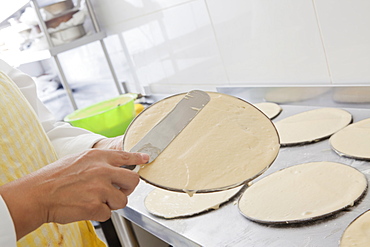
<point x="177" y="45"/>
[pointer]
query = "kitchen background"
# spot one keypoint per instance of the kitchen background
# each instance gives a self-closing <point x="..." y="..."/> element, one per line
<point x="171" y="46"/>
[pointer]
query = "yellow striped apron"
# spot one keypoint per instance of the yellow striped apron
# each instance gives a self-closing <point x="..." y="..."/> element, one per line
<point x="25" y="148"/>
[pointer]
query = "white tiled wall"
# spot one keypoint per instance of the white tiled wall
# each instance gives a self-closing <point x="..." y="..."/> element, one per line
<point x="178" y="45"/>
<point x="269" y="41"/>
<point x="345" y="29"/>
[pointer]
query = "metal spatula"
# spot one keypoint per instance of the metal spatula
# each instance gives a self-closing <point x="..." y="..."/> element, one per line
<point x="163" y="133"/>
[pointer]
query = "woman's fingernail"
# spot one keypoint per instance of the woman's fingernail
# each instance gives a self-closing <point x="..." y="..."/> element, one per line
<point x="145" y="156"/>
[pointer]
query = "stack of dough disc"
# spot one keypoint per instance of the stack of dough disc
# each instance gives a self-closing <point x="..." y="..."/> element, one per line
<point x="312" y="126"/>
<point x="352" y="95"/>
<point x="169" y="204"/>
<point x="294" y="94"/>
<point x="353" y="141"/>
<point x="358" y="232"/>
<point x="271" y="110"/>
<point x="302" y="192"/>
<point x="228" y="143"/>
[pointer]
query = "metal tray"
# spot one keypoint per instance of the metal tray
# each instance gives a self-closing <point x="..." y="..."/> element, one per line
<point x="229" y="228"/>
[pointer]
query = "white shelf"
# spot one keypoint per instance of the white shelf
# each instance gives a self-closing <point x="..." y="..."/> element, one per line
<point x="76" y="43"/>
<point x="16" y="58"/>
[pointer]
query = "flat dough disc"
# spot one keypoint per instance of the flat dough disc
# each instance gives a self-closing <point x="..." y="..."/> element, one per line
<point x="271" y="110"/>
<point x="169" y="204"/>
<point x="312" y="126"/>
<point x="228" y="143"/>
<point x="353" y="141"/>
<point x="302" y="192"/>
<point x="358" y="232"/>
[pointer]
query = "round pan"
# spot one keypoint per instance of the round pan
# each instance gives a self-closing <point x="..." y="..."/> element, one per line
<point x="356" y="233"/>
<point x="282" y="193"/>
<point x="353" y="141"/>
<point x="230" y="142"/>
<point x="311" y="126"/>
<point x="270" y="109"/>
<point x="170" y="205"/>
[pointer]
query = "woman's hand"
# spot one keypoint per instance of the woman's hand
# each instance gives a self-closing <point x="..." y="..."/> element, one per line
<point x="115" y="143"/>
<point x="85" y="186"/>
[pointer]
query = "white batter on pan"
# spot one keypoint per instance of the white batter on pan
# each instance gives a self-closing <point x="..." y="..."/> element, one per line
<point x="353" y="140"/>
<point x="302" y="192"/>
<point x="358" y="232"/>
<point x="271" y="110"/>
<point x="310" y="126"/>
<point x="169" y="204"/>
<point x="227" y="143"/>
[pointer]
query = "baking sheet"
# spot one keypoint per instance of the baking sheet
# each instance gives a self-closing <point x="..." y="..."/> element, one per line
<point x="227" y="227"/>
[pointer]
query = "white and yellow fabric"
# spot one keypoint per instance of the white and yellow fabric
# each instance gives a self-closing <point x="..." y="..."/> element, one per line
<point x="25" y="148"/>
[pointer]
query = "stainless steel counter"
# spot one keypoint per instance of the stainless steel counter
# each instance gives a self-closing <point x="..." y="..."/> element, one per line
<point x="227" y="227"/>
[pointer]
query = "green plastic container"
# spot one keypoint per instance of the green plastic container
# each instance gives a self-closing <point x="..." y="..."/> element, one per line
<point x="109" y="118"/>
